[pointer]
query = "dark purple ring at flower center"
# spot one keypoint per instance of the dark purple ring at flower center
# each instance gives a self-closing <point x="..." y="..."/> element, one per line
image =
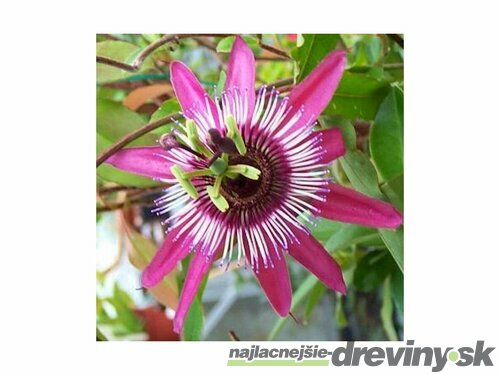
<point x="243" y="192"/>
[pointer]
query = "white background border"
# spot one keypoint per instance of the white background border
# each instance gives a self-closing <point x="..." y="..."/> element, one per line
<point x="48" y="127"/>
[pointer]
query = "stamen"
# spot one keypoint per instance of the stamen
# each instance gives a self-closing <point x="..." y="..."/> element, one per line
<point x="214" y="193"/>
<point x="199" y="173"/>
<point x="246" y="170"/>
<point x="192" y="133"/>
<point x="184" y="181"/>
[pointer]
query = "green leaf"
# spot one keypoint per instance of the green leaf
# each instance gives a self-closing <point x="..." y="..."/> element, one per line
<point x="323" y="228"/>
<point x="367" y="50"/>
<point x="99" y="335"/>
<point x="345" y="126"/>
<point x="386" y="312"/>
<point x="221" y="83"/>
<point x="339" y="312"/>
<point x="125" y="322"/>
<point x="273" y="71"/>
<point x="393" y="239"/>
<point x="361" y="172"/>
<point x="119" y="51"/>
<point x="349" y="234"/>
<point x="108" y="173"/>
<point x="140" y="254"/>
<point x="195" y="319"/>
<point x="313" y="50"/>
<point x="397" y="289"/>
<point x="113" y="94"/>
<point x="363" y="177"/>
<point x="394" y="190"/>
<point x="193" y="325"/>
<point x="168" y="107"/>
<point x="358" y="96"/>
<point x="142" y="250"/>
<point x="225" y="44"/>
<point x="314" y="297"/>
<point x="113" y="121"/>
<point x="150" y="38"/>
<point x="395" y="56"/>
<point x="372" y="270"/>
<point x="386" y="136"/>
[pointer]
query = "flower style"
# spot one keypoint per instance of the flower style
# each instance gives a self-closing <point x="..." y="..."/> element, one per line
<point x="244" y="167"/>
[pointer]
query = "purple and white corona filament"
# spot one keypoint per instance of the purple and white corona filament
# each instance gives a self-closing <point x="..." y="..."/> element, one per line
<point x="246" y="169"/>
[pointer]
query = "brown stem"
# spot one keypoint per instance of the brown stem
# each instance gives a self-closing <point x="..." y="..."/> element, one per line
<point x="393" y="66"/>
<point x="141" y="196"/>
<point x="281" y="83"/>
<point x="114" y="189"/>
<point x="274" y="50"/>
<point x="286" y="88"/>
<point x="132" y="191"/>
<point x="270" y="58"/>
<point x="395" y="37"/>
<point x="136" y="64"/>
<point x="110" y="37"/>
<point x="116" y="64"/>
<point x="120" y="205"/>
<point x="233" y="336"/>
<point x="206" y="43"/>
<point x="133" y="136"/>
<point x="295" y="318"/>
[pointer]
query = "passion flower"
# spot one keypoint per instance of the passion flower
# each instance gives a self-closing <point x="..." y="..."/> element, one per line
<point x="247" y="169"/>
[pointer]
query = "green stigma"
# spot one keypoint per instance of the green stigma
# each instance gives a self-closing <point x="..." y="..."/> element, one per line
<point x="219" y="166"/>
<point x="245" y="170"/>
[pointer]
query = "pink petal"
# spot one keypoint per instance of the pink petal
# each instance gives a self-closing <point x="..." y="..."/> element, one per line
<point x="275" y="282"/>
<point x="316" y="90"/>
<point x="171" y="251"/>
<point x="189" y="91"/>
<point x="332" y="143"/>
<point x="145" y="161"/>
<point x="349" y="206"/>
<point x="311" y="254"/>
<point x="241" y="71"/>
<point x="198" y="268"/>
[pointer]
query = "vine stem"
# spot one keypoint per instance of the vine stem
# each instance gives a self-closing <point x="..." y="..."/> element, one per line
<point x="103" y="156"/>
<point x="136" y="64"/>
